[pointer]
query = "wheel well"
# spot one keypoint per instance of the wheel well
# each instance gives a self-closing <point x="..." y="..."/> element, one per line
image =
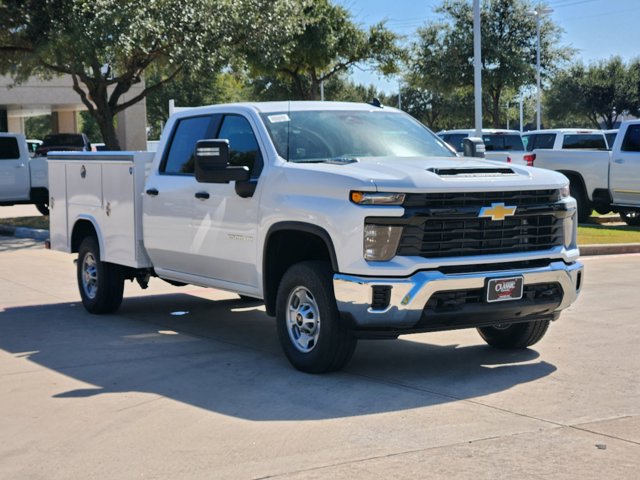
<point x="81" y="230"/>
<point x="287" y="247"/>
<point x="576" y="179"/>
<point x="39" y="195"/>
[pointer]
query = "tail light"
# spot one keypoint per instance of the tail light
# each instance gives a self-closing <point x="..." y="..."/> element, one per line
<point x="508" y="159"/>
<point x="529" y="158"/>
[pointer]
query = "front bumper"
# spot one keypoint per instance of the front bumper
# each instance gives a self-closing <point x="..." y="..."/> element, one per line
<point x="409" y="296"/>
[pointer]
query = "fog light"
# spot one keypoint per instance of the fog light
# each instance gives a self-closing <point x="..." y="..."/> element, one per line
<point x="381" y="242"/>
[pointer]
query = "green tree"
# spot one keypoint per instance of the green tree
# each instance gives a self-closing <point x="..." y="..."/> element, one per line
<point x="195" y="91"/>
<point x="37" y="127"/>
<point x="337" y="89"/>
<point x="327" y="44"/>
<point x="596" y="93"/>
<point x="107" y="46"/>
<point x="437" y="110"/>
<point x="442" y="57"/>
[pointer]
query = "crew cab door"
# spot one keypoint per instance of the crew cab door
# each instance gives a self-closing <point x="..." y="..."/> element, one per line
<point x="14" y="169"/>
<point x="624" y="176"/>
<point x="169" y="198"/>
<point x="224" y="224"/>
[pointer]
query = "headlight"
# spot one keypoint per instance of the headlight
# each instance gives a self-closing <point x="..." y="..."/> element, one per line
<point x="371" y="198"/>
<point x="570" y="229"/>
<point x="381" y="242"/>
<point x="564" y="191"/>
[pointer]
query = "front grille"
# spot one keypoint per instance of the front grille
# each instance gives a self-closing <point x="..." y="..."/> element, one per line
<point x="455" y="236"/>
<point x="472" y="199"/>
<point x="447" y="302"/>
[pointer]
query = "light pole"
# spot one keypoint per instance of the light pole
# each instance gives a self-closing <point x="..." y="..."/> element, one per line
<point x="477" y="67"/>
<point x="538" y="12"/>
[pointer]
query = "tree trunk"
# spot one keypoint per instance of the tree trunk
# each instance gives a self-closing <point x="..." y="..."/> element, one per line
<point x="495" y="110"/>
<point x="108" y="131"/>
<point x="314" y="90"/>
<point x="104" y="115"/>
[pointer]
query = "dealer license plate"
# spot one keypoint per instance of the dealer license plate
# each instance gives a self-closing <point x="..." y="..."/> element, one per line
<point x="502" y="289"/>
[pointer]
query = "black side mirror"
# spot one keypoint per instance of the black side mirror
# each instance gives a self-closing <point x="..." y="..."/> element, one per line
<point x="212" y="163"/>
<point x="473" y="147"/>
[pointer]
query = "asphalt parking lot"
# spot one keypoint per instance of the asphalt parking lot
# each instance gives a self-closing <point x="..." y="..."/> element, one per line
<point x="190" y="383"/>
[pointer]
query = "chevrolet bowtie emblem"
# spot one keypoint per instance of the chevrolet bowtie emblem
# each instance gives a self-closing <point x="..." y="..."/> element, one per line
<point x="497" y="211"/>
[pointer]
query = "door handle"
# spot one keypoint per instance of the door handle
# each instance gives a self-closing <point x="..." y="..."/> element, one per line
<point x="202" y="195"/>
<point x="20" y="165"/>
<point x="618" y="160"/>
<point x="152" y="192"/>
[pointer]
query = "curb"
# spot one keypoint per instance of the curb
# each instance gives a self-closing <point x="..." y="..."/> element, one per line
<point x="585" y="250"/>
<point x="24" y="232"/>
<point x="609" y="249"/>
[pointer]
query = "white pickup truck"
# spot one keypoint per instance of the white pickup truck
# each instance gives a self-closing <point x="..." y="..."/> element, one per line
<point x="23" y="179"/>
<point x="348" y="220"/>
<point x="602" y="180"/>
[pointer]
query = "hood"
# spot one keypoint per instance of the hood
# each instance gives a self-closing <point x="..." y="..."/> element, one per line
<point x="417" y="174"/>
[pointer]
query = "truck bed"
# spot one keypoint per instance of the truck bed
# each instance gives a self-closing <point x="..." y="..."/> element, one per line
<point x="104" y="189"/>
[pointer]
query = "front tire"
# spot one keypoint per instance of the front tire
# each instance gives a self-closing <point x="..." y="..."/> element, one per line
<point x="630" y="217"/>
<point x="311" y="333"/>
<point x="101" y="284"/>
<point x="514" y="336"/>
<point x="584" y="208"/>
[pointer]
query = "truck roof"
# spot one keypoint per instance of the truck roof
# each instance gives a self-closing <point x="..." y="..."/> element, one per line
<point x="573" y="131"/>
<point x="498" y="131"/>
<point x="296" y="106"/>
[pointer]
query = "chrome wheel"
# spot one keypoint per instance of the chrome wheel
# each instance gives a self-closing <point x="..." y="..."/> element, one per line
<point x="89" y="275"/>
<point x="303" y="320"/>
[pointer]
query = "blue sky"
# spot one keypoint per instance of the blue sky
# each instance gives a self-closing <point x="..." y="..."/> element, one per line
<point x="598" y="29"/>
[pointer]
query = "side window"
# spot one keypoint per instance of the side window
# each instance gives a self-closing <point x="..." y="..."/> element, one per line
<point x="631" y="141"/>
<point x="582" y="141"/>
<point x="243" y="146"/>
<point x="541" y="141"/>
<point x="180" y="158"/>
<point x="9" y="148"/>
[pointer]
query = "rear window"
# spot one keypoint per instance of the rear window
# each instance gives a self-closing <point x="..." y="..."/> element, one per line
<point x="539" y="141"/>
<point x="63" y="140"/>
<point x="503" y="142"/>
<point x="9" y="149"/>
<point x="585" y="141"/>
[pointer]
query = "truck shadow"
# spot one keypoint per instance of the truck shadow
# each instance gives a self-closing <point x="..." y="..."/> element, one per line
<point x="223" y="356"/>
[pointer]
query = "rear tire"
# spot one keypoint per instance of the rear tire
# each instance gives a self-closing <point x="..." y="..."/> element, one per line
<point x="517" y="335"/>
<point x="630" y="217"/>
<point x="43" y="208"/>
<point x="311" y="333"/>
<point x="101" y="284"/>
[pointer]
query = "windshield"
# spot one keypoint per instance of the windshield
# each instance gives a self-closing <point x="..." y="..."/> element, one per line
<point x="317" y="136"/>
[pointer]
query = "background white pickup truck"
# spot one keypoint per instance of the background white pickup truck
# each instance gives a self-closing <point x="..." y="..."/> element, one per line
<point x="23" y="179"/>
<point x="600" y="179"/>
<point x="500" y="145"/>
<point x="348" y="220"/>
